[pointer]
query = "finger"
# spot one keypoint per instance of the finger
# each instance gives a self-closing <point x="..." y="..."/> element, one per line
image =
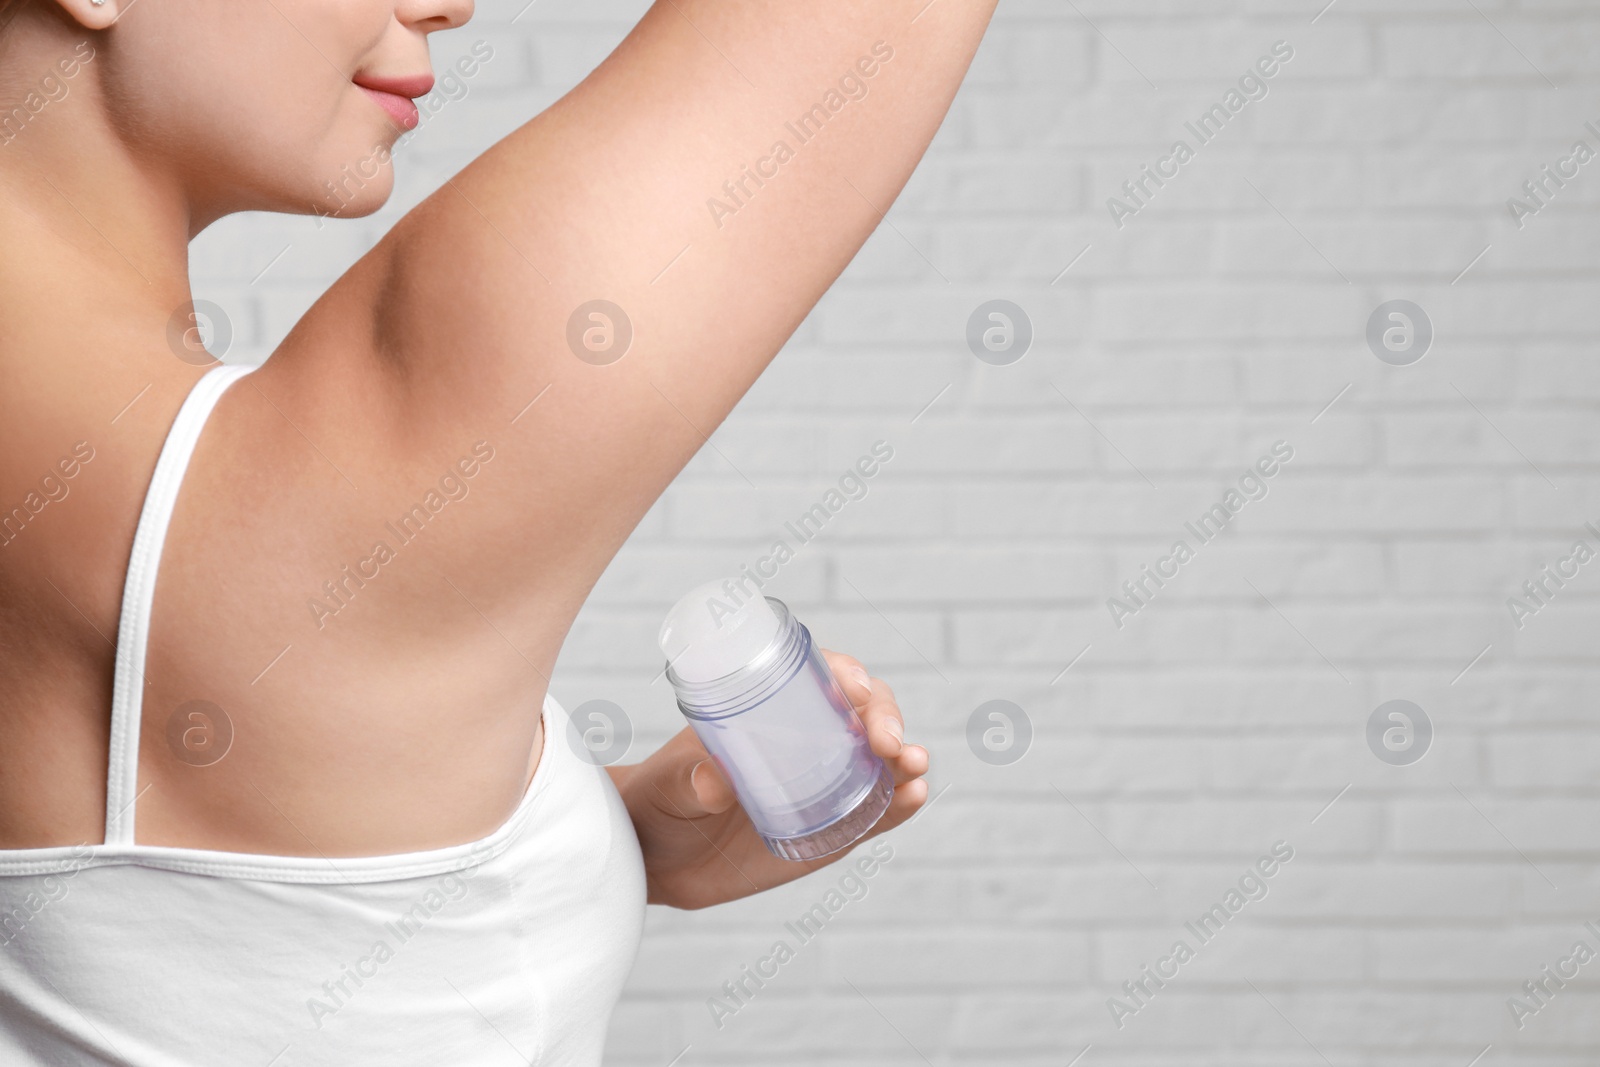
<point x="685" y="781"/>
<point x="911" y="764"/>
<point x="886" y="728"/>
<point x="873" y="700"/>
<point x="908" y="800"/>
<point x="711" y="789"/>
<point x="852" y="676"/>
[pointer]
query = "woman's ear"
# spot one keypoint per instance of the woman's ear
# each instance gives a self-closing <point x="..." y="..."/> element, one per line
<point x="91" y="14"/>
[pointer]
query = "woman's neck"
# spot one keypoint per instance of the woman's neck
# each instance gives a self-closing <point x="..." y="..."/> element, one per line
<point x="96" y="238"/>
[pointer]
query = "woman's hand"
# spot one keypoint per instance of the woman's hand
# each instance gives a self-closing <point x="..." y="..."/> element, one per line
<point x="699" y="846"/>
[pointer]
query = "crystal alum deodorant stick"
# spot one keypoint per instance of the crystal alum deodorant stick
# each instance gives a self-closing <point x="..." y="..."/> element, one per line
<point x="763" y="702"/>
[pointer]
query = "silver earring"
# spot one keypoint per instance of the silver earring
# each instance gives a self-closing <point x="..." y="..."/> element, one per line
<point x="98" y="3"/>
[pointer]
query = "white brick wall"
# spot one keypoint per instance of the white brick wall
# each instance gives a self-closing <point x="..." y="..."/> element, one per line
<point x="1219" y="319"/>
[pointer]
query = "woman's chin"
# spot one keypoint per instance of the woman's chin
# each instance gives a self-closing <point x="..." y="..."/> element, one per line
<point x="350" y="196"/>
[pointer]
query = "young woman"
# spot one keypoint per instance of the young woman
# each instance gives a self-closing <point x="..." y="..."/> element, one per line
<point x="292" y="804"/>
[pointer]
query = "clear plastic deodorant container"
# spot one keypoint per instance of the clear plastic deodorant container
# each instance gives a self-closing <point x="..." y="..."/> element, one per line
<point x="762" y="700"/>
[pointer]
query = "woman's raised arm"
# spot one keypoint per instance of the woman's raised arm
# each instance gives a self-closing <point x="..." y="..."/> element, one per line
<point x="634" y="257"/>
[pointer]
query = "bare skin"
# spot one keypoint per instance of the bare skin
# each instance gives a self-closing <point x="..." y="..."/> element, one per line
<point x="407" y="719"/>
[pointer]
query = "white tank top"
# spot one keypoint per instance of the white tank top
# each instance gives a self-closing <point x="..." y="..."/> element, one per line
<point x="511" y="949"/>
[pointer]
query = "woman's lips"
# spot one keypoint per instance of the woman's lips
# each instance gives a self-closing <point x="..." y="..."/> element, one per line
<point x="401" y="111"/>
<point x="394" y="95"/>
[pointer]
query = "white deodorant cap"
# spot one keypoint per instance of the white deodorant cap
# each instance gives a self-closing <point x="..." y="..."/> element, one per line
<point x="708" y="635"/>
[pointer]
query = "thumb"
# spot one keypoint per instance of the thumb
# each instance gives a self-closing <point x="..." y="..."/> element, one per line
<point x="686" y="781"/>
<point x="711" y="791"/>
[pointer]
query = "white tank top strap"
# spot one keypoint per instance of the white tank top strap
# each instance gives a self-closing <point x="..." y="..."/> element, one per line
<point x="147" y="955"/>
<point x="138" y="593"/>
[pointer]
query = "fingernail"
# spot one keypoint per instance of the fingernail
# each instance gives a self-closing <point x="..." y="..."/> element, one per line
<point x="860" y="675"/>
<point x="896" y="730"/>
